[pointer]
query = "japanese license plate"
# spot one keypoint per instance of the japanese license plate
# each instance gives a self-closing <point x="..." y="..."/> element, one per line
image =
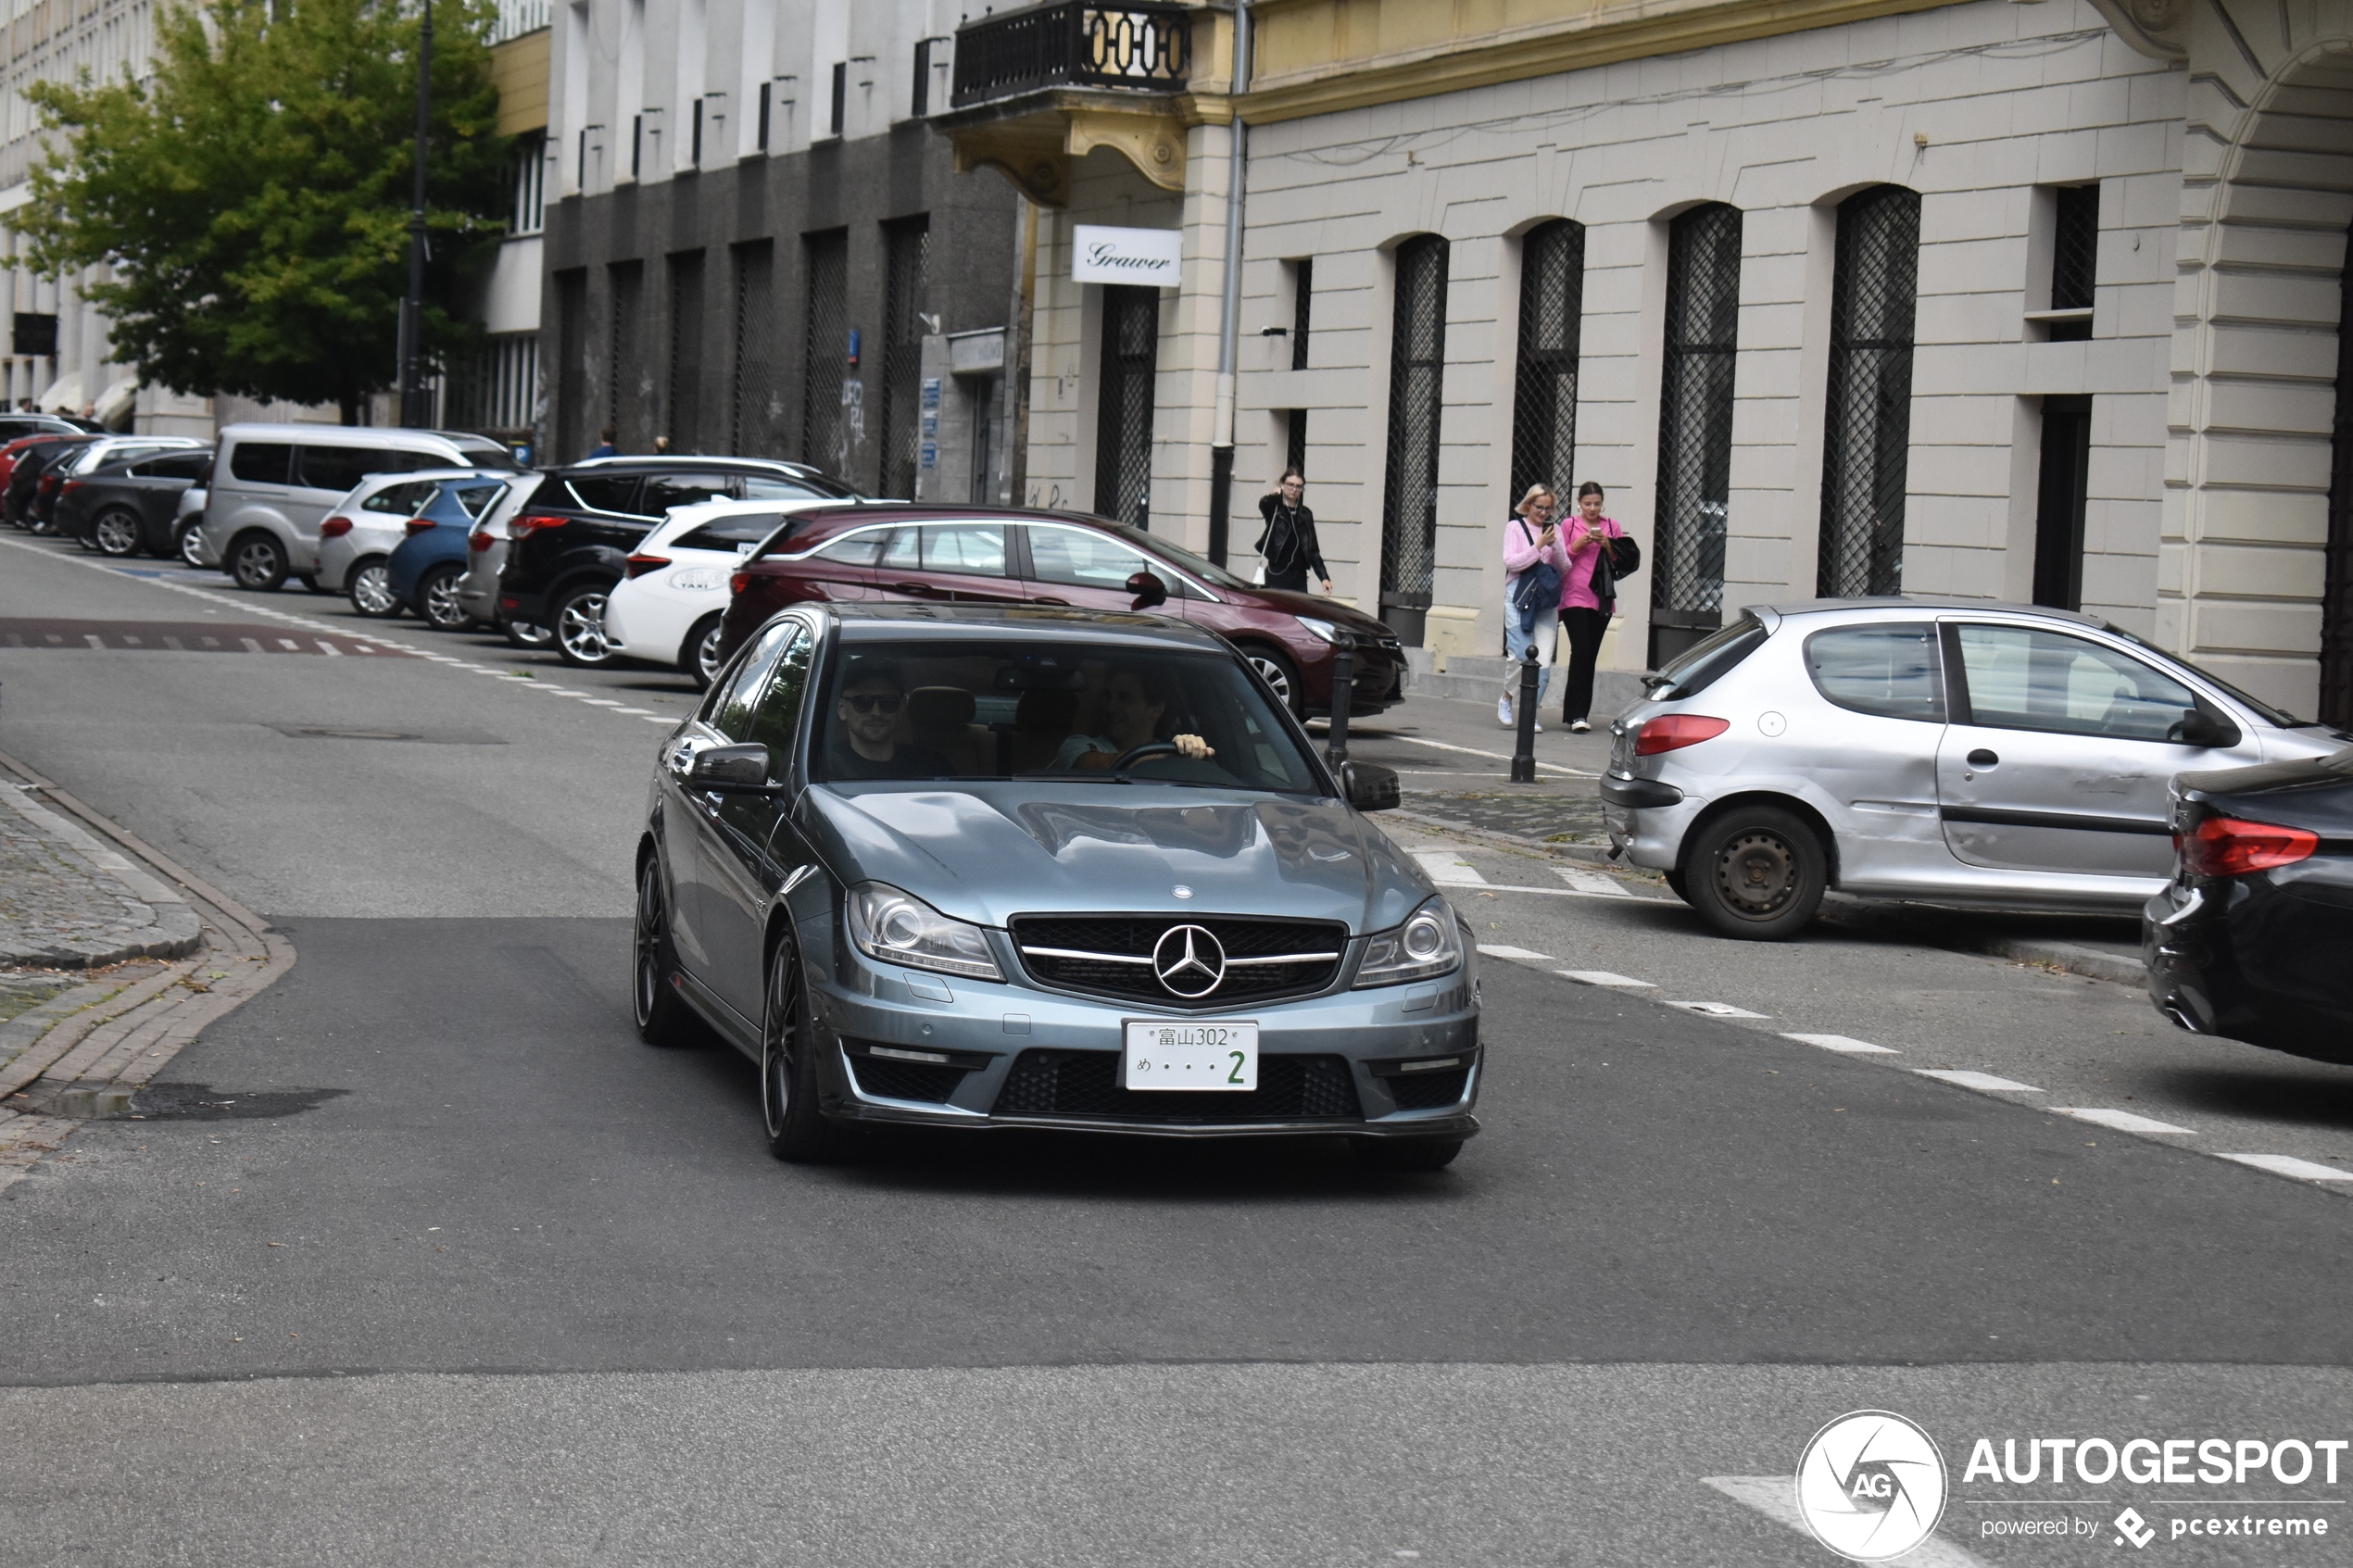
<point x="1190" y="1054"/>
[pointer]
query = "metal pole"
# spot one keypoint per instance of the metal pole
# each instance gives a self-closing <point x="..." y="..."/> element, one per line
<point x="1343" y="688"/>
<point x="412" y="308"/>
<point x="1221" y="457"/>
<point x="1524" y="758"/>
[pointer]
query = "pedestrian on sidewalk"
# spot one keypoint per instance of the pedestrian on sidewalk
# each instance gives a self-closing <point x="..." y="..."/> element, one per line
<point x="1584" y="615"/>
<point x="1287" y="545"/>
<point x="605" y="447"/>
<point x="1535" y="571"/>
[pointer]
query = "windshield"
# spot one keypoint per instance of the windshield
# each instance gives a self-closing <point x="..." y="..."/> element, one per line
<point x="1066" y="710"/>
<point x="1153" y="544"/>
<point x="2263" y="710"/>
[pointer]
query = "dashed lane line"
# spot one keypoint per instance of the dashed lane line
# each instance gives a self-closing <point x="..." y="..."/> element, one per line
<point x="1968" y="1080"/>
<point x="2288" y="1165"/>
<point x="1846" y="1042"/>
<point x="1776" y="1498"/>
<point x="1715" y="1009"/>
<point x="1474" y="751"/>
<point x="2122" y="1121"/>
<point x="1603" y="977"/>
<point x="1593" y="882"/>
<point x="1519" y="955"/>
<point x="1447" y="868"/>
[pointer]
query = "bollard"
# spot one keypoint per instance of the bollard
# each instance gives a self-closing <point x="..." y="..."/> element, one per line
<point x="1343" y="688"/>
<point x="1524" y="758"/>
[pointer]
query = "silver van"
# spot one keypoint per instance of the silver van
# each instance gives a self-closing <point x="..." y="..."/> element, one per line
<point x="273" y="484"/>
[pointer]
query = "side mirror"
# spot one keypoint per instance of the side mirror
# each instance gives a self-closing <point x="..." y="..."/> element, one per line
<point x="1149" y="590"/>
<point x="729" y="768"/>
<point x="2200" y="728"/>
<point x="1369" y="786"/>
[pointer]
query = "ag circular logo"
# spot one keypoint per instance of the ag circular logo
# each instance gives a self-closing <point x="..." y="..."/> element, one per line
<point x="1188" y="961"/>
<point x="1870" y="1486"/>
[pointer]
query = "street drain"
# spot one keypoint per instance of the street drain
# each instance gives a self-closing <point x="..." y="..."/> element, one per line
<point x="202" y="1102"/>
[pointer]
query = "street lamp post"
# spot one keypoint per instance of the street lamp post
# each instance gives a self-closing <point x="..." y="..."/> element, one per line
<point x="413" y="392"/>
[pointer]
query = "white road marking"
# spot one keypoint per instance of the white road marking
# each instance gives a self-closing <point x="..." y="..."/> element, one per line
<point x="659" y="719"/>
<point x="1842" y="1042"/>
<point x="2288" y="1165"/>
<point x="1519" y="954"/>
<point x="1775" y="1496"/>
<point x="2122" y="1121"/>
<point x="1976" y="1080"/>
<point x="326" y="646"/>
<point x="638" y="712"/>
<point x="1493" y="756"/>
<point x="1603" y="977"/>
<point x="1593" y="882"/>
<point x="1448" y="869"/>
<point x="600" y="702"/>
<point x="1717" y="1010"/>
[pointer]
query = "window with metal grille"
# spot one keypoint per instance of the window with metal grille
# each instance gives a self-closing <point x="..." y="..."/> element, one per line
<point x="572" y="383"/>
<point x="684" y="402"/>
<point x="1552" y="312"/>
<point x="625" y="379"/>
<point x="1295" y="441"/>
<point x="755" y="411"/>
<point x="1867" y="438"/>
<point x="905" y="245"/>
<point x="1416" y="394"/>
<point x="1123" y="409"/>
<point x="2337" y="591"/>
<point x="1695" y="426"/>
<point x="1303" y="299"/>
<point x="825" y="433"/>
<point x="2075" y="249"/>
<point x="496" y="390"/>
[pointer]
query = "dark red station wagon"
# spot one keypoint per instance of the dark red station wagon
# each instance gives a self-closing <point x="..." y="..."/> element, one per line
<point x="987" y="555"/>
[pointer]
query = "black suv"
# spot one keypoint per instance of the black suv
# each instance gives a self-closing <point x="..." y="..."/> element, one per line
<point x="569" y="543"/>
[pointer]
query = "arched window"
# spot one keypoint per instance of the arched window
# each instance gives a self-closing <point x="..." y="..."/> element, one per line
<point x="1416" y="391"/>
<point x="1551" y="309"/>
<point x="1867" y="437"/>
<point x="1695" y="427"/>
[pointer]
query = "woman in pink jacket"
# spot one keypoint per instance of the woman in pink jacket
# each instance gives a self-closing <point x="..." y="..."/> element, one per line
<point x="1582" y="614"/>
<point x="1530" y="539"/>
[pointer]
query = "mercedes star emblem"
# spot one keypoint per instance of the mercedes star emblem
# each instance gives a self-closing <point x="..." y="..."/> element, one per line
<point x="1188" y="961"/>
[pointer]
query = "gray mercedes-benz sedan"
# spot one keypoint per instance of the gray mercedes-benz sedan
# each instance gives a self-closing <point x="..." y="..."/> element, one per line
<point x="1024" y="866"/>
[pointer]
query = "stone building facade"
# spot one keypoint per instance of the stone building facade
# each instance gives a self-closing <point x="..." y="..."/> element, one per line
<point x="2032" y="301"/>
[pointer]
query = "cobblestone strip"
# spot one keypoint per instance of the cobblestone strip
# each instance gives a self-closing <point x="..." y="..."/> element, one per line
<point x="88" y="1059"/>
<point x="68" y="901"/>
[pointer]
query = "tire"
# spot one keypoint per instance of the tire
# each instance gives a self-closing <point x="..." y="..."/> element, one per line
<point x="257" y="560"/>
<point x="437" y="601"/>
<point x="1675" y="886"/>
<point x="578" y="621"/>
<point x="115" y="531"/>
<point x="189" y="539"/>
<point x="526" y="635"/>
<point x="662" y="1018"/>
<point x="798" y="1132"/>
<point x="698" y="656"/>
<point x="1756" y="872"/>
<point x="369" y="587"/>
<point x="309" y="581"/>
<point x="1407" y="1154"/>
<point x="1276" y="669"/>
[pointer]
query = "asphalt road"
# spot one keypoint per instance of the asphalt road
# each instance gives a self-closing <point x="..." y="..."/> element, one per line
<point x="422" y="1257"/>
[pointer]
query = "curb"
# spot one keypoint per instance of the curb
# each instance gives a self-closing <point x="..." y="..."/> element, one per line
<point x="85" y="1054"/>
<point x="175" y="932"/>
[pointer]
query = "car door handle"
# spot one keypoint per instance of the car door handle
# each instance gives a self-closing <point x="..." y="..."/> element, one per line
<point x="910" y="588"/>
<point x="1981" y="757"/>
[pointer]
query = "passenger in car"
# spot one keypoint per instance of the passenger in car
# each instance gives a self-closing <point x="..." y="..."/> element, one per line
<point x="868" y="719"/>
<point x="1133" y="707"/>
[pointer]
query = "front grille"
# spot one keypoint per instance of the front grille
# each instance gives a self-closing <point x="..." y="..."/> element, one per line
<point x="1427" y="1091"/>
<point x="1111" y="956"/>
<point x="905" y="1080"/>
<point x="1085" y="1083"/>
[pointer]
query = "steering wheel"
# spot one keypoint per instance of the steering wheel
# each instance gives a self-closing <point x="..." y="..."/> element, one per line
<point x="1119" y="764"/>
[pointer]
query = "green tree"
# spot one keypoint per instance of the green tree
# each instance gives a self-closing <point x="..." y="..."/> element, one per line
<point x="251" y="198"/>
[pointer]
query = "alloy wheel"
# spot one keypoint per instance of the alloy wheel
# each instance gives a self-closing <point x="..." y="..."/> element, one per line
<point x="257" y="565"/>
<point x="580" y="629"/>
<point x="707" y="659"/>
<point x="371" y="589"/>
<point x="191" y="544"/>
<point x="442" y="609"/>
<point x="646" y="991"/>
<point x="1275" y="675"/>
<point x="117" y="533"/>
<point x="779" y="1035"/>
<point x="1759" y="874"/>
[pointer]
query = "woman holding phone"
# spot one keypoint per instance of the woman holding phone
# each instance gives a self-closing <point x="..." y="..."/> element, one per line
<point x="1582" y="614"/>
<point x="1535" y="571"/>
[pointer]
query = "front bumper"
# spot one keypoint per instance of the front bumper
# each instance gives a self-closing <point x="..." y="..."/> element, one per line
<point x="1367" y="1040"/>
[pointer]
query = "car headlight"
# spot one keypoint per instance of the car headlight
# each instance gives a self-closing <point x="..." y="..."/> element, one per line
<point x="900" y="928"/>
<point x="1323" y="631"/>
<point x="1426" y="945"/>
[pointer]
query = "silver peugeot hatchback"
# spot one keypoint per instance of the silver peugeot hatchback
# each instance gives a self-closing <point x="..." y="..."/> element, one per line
<point x="1025" y="866"/>
<point x="1957" y="750"/>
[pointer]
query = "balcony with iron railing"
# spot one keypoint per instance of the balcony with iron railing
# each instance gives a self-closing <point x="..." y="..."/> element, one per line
<point x="1073" y="43"/>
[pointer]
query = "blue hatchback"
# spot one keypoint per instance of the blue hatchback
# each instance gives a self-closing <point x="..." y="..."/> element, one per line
<point x="425" y="569"/>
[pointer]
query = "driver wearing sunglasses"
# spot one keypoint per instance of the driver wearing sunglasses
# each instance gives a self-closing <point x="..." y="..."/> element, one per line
<point x="868" y="713"/>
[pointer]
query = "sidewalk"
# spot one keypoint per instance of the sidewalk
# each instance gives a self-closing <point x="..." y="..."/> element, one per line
<point x="1453" y="761"/>
<point x="68" y="901"/>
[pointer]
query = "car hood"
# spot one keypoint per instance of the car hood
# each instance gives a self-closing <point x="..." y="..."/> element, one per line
<point x="1289" y="602"/>
<point x="987" y="851"/>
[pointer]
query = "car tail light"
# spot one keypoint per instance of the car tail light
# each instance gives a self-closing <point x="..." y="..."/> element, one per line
<point x="479" y="540"/>
<point x="738" y="582"/>
<point x="68" y="487"/>
<point x="532" y="523"/>
<point x="2227" y="847"/>
<point x="48" y="483"/>
<point x="334" y="528"/>
<point x="1672" y="732"/>
<point x="638" y="566"/>
<point x="416" y="525"/>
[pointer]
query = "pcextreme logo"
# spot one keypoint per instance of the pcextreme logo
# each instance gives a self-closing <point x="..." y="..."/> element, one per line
<point x="1871" y="1486"/>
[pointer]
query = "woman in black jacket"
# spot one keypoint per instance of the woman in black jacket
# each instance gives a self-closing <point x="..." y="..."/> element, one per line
<point x="1287" y="546"/>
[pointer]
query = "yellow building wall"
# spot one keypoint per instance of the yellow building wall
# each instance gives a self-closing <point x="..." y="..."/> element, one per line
<point x="520" y="67"/>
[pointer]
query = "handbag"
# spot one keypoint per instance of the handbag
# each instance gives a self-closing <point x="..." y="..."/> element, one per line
<point x="1539" y="587"/>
